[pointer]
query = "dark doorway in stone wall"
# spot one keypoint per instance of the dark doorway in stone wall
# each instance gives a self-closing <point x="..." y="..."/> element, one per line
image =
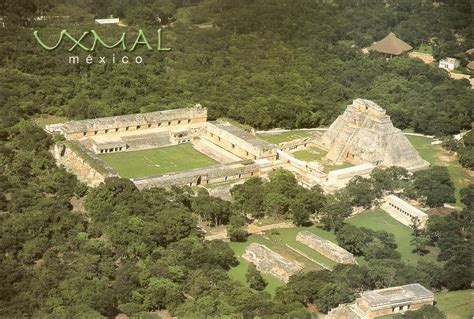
<point x="198" y="182"/>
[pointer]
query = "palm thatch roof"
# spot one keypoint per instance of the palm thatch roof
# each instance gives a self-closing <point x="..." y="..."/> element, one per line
<point x="470" y="65"/>
<point x="390" y="45"/>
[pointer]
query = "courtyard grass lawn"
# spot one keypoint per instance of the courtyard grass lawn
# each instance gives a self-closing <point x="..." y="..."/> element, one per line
<point x="380" y="220"/>
<point x="317" y="154"/>
<point x="310" y="154"/>
<point x="156" y="161"/>
<point x="277" y="138"/>
<point x="436" y="155"/>
<point x="456" y="304"/>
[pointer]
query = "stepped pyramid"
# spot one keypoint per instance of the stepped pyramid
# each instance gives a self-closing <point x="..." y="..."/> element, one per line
<point x="365" y="134"/>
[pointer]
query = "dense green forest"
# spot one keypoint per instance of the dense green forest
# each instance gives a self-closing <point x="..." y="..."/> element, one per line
<point x="70" y="251"/>
<point x="248" y="60"/>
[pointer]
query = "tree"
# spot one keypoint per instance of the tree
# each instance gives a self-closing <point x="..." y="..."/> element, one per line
<point x="254" y="278"/>
<point x="248" y="197"/>
<point x="434" y="185"/>
<point x="332" y="295"/>
<point x="353" y="238"/>
<point x="336" y="208"/>
<point x="362" y="192"/>
<point x="300" y="214"/>
<point x="236" y="230"/>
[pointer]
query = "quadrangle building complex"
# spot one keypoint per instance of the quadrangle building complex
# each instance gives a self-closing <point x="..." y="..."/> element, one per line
<point x="363" y="136"/>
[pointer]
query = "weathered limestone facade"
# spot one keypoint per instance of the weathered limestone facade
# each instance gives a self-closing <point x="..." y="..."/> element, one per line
<point x="365" y="134"/>
<point x="202" y="176"/>
<point x="76" y="164"/>
<point x="239" y="142"/>
<point x="383" y="302"/>
<point x="270" y="262"/>
<point x="404" y="212"/>
<point x="169" y="119"/>
<point x="326" y="248"/>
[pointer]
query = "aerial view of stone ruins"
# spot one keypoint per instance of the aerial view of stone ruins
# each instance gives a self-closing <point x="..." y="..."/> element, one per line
<point x="363" y="136"/>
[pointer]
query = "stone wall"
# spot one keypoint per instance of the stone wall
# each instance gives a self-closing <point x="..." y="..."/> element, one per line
<point x="202" y="176"/>
<point x="170" y="119"/>
<point x="76" y="164"/>
<point x="270" y="262"/>
<point x="326" y="248"/>
<point x="239" y="142"/>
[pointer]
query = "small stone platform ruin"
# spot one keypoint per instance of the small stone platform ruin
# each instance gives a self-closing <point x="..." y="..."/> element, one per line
<point x="365" y="134"/>
<point x="326" y="248"/>
<point x="270" y="262"/>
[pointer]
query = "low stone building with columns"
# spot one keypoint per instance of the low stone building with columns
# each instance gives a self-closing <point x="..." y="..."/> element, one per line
<point x="383" y="302"/>
<point x="404" y="212"/>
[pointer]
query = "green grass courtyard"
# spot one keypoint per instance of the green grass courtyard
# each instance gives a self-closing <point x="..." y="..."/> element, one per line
<point x="281" y="137"/>
<point x="156" y="161"/>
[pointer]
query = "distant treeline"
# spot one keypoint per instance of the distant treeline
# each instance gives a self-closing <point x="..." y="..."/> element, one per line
<point x="268" y="64"/>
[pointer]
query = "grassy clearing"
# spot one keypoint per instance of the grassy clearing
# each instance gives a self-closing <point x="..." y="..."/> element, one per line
<point x="310" y="154"/>
<point x="44" y="120"/>
<point x="424" y="48"/>
<point x="436" y="155"/>
<point x="380" y="220"/>
<point x="456" y="304"/>
<point x="156" y="161"/>
<point x="284" y="136"/>
<point x="317" y="154"/>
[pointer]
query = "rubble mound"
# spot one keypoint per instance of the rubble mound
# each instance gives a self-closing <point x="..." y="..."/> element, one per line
<point x="270" y="262"/>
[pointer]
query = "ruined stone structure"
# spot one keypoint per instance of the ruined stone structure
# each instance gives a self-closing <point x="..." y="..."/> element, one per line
<point x="235" y="149"/>
<point x="326" y="248"/>
<point x="365" y="134"/>
<point x="382" y="302"/>
<point x="340" y="177"/>
<point x="270" y="262"/>
<point x="239" y="142"/>
<point x="404" y="212"/>
<point x="76" y="164"/>
<point x="202" y="176"/>
<point x="169" y="120"/>
<point x="362" y="135"/>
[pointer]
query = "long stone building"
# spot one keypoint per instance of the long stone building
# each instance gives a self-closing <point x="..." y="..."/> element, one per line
<point x="326" y="248"/>
<point x="270" y="262"/>
<point x="404" y="212"/>
<point x="169" y="119"/>
<point x="383" y="302"/>
<point x="239" y="142"/>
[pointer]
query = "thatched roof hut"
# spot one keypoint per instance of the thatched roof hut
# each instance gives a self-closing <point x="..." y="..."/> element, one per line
<point x="391" y="45"/>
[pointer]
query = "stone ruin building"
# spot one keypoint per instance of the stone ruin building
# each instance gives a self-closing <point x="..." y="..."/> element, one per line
<point x="270" y="262"/>
<point x="383" y="302"/>
<point x="326" y="248"/>
<point x="239" y="153"/>
<point x="404" y="212"/>
<point x="365" y="134"/>
<point x="137" y="131"/>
